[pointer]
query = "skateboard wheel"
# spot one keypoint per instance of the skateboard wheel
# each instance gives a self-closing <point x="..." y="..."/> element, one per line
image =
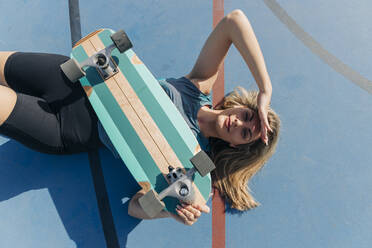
<point x="121" y="41"/>
<point x="202" y="163"/>
<point x="151" y="204"/>
<point x="72" y="70"/>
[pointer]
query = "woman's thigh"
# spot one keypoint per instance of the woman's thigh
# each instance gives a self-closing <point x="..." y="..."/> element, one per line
<point x="3" y="58"/>
<point x="8" y="100"/>
<point x="33" y="124"/>
<point x="39" y="75"/>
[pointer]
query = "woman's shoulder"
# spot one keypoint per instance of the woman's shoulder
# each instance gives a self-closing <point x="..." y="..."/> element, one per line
<point x="203" y="85"/>
<point x="184" y="86"/>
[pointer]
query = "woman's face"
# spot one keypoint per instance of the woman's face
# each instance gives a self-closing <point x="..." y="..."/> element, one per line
<point x="238" y="125"/>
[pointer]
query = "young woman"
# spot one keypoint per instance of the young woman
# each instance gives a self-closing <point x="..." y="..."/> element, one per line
<point x="43" y="110"/>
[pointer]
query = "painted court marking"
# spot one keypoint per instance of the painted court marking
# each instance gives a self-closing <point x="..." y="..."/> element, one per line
<point x="317" y="48"/>
<point x="218" y="203"/>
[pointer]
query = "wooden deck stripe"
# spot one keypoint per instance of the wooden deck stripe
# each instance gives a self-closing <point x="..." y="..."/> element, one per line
<point x="218" y="204"/>
<point x="110" y="112"/>
<point x="140" y="119"/>
<point x="113" y="109"/>
<point x="149" y="125"/>
<point x="136" y="153"/>
<point x="158" y="142"/>
<point x="87" y="37"/>
<point x="127" y="109"/>
<point x="178" y="135"/>
<point x="138" y="125"/>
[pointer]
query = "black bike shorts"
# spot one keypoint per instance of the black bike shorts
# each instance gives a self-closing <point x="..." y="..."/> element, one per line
<point x="51" y="114"/>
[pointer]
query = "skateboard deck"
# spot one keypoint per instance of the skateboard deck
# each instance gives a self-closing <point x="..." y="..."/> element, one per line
<point x="141" y="121"/>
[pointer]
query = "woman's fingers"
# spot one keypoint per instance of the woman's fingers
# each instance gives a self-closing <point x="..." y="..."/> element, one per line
<point x="263" y="132"/>
<point x="263" y="102"/>
<point x="265" y="127"/>
<point x="189" y="214"/>
<point x="187" y="217"/>
<point x="204" y="208"/>
<point x="181" y="217"/>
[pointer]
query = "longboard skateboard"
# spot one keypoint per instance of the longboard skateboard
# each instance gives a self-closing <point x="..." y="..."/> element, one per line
<point x="145" y="127"/>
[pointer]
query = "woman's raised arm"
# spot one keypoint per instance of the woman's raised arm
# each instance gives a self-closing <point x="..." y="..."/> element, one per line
<point x="235" y="29"/>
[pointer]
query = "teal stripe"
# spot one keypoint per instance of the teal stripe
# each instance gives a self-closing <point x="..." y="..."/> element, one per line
<point x="136" y="170"/>
<point x="152" y="95"/>
<point x="109" y="112"/>
<point x="161" y="108"/>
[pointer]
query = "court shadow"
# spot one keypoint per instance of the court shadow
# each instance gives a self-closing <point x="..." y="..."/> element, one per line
<point x="69" y="183"/>
<point x="121" y="186"/>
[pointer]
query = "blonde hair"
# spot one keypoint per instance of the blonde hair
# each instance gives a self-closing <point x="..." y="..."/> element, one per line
<point x="236" y="166"/>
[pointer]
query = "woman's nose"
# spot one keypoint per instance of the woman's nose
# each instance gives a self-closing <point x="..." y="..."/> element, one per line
<point x="256" y="125"/>
<point x="253" y="127"/>
<point x="237" y="122"/>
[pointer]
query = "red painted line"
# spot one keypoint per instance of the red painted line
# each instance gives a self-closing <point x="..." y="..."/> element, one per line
<point x="218" y="221"/>
<point x="218" y="88"/>
<point x="218" y="204"/>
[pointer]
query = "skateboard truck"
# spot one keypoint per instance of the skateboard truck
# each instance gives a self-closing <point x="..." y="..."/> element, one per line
<point x="180" y="185"/>
<point x="101" y="60"/>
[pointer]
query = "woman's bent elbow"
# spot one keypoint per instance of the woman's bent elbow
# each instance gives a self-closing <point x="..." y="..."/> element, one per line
<point x="236" y="14"/>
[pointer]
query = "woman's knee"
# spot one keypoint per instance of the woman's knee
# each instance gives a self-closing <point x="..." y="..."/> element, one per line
<point x="3" y="58"/>
<point x="8" y="99"/>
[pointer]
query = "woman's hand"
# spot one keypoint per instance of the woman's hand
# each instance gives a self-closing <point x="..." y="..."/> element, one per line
<point x="263" y="102"/>
<point x="189" y="214"/>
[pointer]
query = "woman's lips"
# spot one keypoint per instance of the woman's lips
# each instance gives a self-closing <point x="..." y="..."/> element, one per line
<point x="228" y="123"/>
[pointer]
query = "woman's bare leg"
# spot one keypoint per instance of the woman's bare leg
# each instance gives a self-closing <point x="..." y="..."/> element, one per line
<point x="3" y="58"/>
<point x="8" y="99"/>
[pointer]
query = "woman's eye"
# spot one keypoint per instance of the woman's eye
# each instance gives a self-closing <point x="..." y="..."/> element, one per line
<point x="244" y="133"/>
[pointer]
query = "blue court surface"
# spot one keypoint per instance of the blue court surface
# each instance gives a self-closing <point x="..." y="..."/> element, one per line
<point x="316" y="189"/>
